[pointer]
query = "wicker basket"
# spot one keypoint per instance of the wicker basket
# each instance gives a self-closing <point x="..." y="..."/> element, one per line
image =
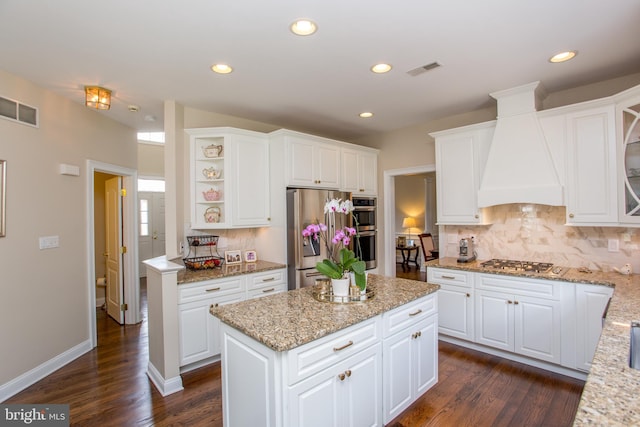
<point x="203" y="262"/>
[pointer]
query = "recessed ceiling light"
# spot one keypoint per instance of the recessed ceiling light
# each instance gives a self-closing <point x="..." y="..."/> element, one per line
<point x="366" y="114"/>
<point x="381" y="68"/>
<point x="221" y="68"/>
<point x="303" y="27"/>
<point x="563" y="56"/>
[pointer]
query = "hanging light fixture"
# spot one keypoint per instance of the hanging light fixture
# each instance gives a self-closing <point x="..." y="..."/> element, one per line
<point x="97" y="97"/>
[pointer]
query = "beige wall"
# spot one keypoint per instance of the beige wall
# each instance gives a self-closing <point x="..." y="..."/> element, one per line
<point x="150" y="160"/>
<point x="44" y="299"/>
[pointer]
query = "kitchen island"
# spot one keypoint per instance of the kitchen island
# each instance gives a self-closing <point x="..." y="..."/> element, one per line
<point x="291" y="360"/>
<point x="610" y="395"/>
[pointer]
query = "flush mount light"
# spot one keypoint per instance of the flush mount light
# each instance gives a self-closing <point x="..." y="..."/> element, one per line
<point x="381" y="68"/>
<point x="97" y="97"/>
<point x="366" y="114"/>
<point x="303" y="27"/>
<point x="563" y="56"/>
<point x="221" y="68"/>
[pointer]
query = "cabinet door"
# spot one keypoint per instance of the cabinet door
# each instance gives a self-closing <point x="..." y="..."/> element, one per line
<point x="426" y="356"/>
<point x="494" y="320"/>
<point x="327" y="158"/>
<point x="315" y="402"/>
<point x="350" y="172"/>
<point x="363" y="399"/>
<point x="591" y="301"/>
<point x="455" y="312"/>
<point x="537" y="328"/>
<point x="249" y="158"/>
<point x="397" y="374"/>
<point x="591" y="167"/>
<point x="629" y="157"/>
<point x="368" y="174"/>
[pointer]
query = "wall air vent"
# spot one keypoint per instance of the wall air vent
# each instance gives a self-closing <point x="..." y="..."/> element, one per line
<point x="423" y="69"/>
<point x="18" y="112"/>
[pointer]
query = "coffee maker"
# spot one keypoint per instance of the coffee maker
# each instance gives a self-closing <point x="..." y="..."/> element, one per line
<point x="467" y="250"/>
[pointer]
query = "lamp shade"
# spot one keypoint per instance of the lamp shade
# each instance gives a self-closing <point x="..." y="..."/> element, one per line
<point x="97" y="97"/>
<point x="408" y="222"/>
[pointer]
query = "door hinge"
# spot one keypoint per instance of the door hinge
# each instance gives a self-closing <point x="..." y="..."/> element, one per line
<point x="124" y="307"/>
<point x="123" y="250"/>
<point x="123" y="192"/>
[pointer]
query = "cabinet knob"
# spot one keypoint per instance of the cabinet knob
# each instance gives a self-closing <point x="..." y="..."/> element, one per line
<point x="570" y="215"/>
<point x="509" y="302"/>
<point x="476" y="216"/>
<point x="214" y="305"/>
<point x="468" y="295"/>
<point x="341" y="376"/>
<point x="348" y="372"/>
<point x="516" y="302"/>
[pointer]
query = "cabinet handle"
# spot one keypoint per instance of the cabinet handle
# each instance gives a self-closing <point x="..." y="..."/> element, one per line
<point x="570" y="215"/>
<point x="213" y="289"/>
<point x="268" y="290"/>
<point x="362" y="190"/>
<point x="350" y="343"/>
<point x="213" y="305"/>
<point x="516" y="302"/>
<point x="468" y="295"/>
<point x="448" y="277"/>
<point x="415" y="313"/>
<point x="348" y="372"/>
<point x="416" y="335"/>
<point x="269" y="279"/>
<point x="341" y="376"/>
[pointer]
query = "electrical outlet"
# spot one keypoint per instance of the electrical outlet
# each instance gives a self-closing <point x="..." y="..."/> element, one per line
<point x="181" y="247"/>
<point x="626" y="237"/>
<point x="614" y="245"/>
<point x="49" y="242"/>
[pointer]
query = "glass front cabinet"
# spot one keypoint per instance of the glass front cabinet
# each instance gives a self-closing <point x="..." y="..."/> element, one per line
<point x="630" y="163"/>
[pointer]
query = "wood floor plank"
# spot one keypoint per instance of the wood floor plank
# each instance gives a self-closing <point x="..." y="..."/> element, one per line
<point x="109" y="386"/>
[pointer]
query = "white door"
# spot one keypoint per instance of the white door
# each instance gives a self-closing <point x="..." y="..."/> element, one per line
<point x="113" y="237"/>
<point x="151" y="241"/>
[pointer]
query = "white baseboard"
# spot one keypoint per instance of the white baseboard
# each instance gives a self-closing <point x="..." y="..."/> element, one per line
<point x="165" y="387"/>
<point x="39" y="372"/>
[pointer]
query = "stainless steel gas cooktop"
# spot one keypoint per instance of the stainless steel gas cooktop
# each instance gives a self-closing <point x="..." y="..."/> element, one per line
<point x="524" y="266"/>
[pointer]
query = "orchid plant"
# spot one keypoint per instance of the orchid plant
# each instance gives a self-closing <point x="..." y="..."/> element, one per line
<point x="341" y="260"/>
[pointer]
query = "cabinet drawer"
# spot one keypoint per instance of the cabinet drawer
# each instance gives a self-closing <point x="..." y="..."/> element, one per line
<point x="311" y="358"/>
<point x="519" y="285"/>
<point x="201" y="290"/>
<point x="268" y="289"/>
<point x="266" y="279"/>
<point x="449" y="277"/>
<point x="409" y="314"/>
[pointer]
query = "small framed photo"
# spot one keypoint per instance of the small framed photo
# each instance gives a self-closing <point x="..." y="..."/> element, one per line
<point x="250" y="256"/>
<point x="402" y="241"/>
<point x="232" y="257"/>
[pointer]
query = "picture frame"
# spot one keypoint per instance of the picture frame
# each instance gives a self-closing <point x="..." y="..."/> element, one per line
<point x="233" y="257"/>
<point x="250" y="256"/>
<point x="3" y="186"/>
<point x="402" y="241"/>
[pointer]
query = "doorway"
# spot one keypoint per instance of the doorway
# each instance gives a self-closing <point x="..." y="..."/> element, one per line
<point x="151" y="237"/>
<point x="99" y="172"/>
<point x="389" y="177"/>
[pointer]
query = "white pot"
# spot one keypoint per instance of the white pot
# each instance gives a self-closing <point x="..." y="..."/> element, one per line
<point x="340" y="287"/>
<point x="353" y="280"/>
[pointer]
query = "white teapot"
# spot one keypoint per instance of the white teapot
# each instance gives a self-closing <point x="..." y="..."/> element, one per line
<point x="625" y="269"/>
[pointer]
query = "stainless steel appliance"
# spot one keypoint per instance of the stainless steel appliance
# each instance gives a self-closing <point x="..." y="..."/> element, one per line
<point x="467" y="251"/>
<point x="365" y="213"/>
<point x="507" y="265"/>
<point x="304" y="207"/>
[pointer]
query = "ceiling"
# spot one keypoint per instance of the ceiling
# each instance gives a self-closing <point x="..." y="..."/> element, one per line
<point x="148" y="51"/>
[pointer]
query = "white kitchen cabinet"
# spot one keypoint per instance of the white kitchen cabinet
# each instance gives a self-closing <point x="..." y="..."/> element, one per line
<point x="461" y="155"/>
<point x="455" y="300"/>
<point x="359" y="172"/>
<point x="591" y="167"/>
<point x="628" y="124"/>
<point x="229" y="178"/>
<point x="267" y="283"/>
<point x="410" y="354"/>
<point x="311" y="161"/>
<point x="591" y="302"/>
<point x="519" y="315"/>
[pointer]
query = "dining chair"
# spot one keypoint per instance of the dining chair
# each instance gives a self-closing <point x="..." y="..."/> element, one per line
<point x="429" y="251"/>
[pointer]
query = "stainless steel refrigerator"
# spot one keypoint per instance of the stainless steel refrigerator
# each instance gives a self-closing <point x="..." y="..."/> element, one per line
<point x="304" y="207"/>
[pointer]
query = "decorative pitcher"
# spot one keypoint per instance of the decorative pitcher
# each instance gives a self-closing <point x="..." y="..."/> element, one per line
<point x="211" y="173"/>
<point x="212" y="150"/>
<point x="211" y="195"/>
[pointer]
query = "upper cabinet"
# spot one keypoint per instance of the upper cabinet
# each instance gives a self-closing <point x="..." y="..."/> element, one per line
<point x="229" y="178"/>
<point x="629" y="159"/>
<point x="460" y="158"/>
<point x="591" y="167"/>
<point x="311" y="161"/>
<point x="360" y="172"/>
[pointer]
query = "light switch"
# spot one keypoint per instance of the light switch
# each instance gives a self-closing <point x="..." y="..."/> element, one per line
<point x="49" y="242"/>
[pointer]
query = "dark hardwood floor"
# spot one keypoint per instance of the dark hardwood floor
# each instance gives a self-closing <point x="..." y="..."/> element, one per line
<point x="109" y="386"/>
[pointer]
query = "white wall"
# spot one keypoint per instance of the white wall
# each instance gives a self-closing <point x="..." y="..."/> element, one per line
<point x="44" y="293"/>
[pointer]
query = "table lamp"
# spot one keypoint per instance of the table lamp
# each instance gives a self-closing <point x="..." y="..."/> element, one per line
<point x="409" y="223"/>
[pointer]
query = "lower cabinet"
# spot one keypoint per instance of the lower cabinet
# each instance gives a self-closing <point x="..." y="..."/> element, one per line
<point x="591" y="303"/>
<point x="455" y="302"/>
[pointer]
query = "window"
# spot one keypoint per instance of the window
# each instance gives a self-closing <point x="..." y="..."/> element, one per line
<point x="154" y="185"/>
<point x="152" y="137"/>
<point x="144" y="217"/>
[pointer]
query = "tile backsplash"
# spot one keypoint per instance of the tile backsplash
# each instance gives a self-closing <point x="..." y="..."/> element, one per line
<point x="538" y="233"/>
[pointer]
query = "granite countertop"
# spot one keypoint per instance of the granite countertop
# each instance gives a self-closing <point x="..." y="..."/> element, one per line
<point x="288" y="320"/>
<point x="190" y="276"/>
<point x="611" y="395"/>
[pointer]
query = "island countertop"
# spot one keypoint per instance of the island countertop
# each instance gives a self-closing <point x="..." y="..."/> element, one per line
<point x="226" y="270"/>
<point x="610" y="395"/>
<point x="291" y="319"/>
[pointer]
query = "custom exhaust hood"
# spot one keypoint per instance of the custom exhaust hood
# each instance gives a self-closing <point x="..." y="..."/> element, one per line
<point x="519" y="167"/>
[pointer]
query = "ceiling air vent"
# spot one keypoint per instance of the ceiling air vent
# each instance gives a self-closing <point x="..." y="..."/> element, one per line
<point x="18" y="112"/>
<point x="423" y="69"/>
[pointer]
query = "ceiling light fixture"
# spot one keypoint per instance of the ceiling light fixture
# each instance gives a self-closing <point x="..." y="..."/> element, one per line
<point x="563" y="56"/>
<point x="381" y="68"/>
<point x="303" y="27"/>
<point x="221" y="68"/>
<point x="97" y="97"/>
<point x="366" y="114"/>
